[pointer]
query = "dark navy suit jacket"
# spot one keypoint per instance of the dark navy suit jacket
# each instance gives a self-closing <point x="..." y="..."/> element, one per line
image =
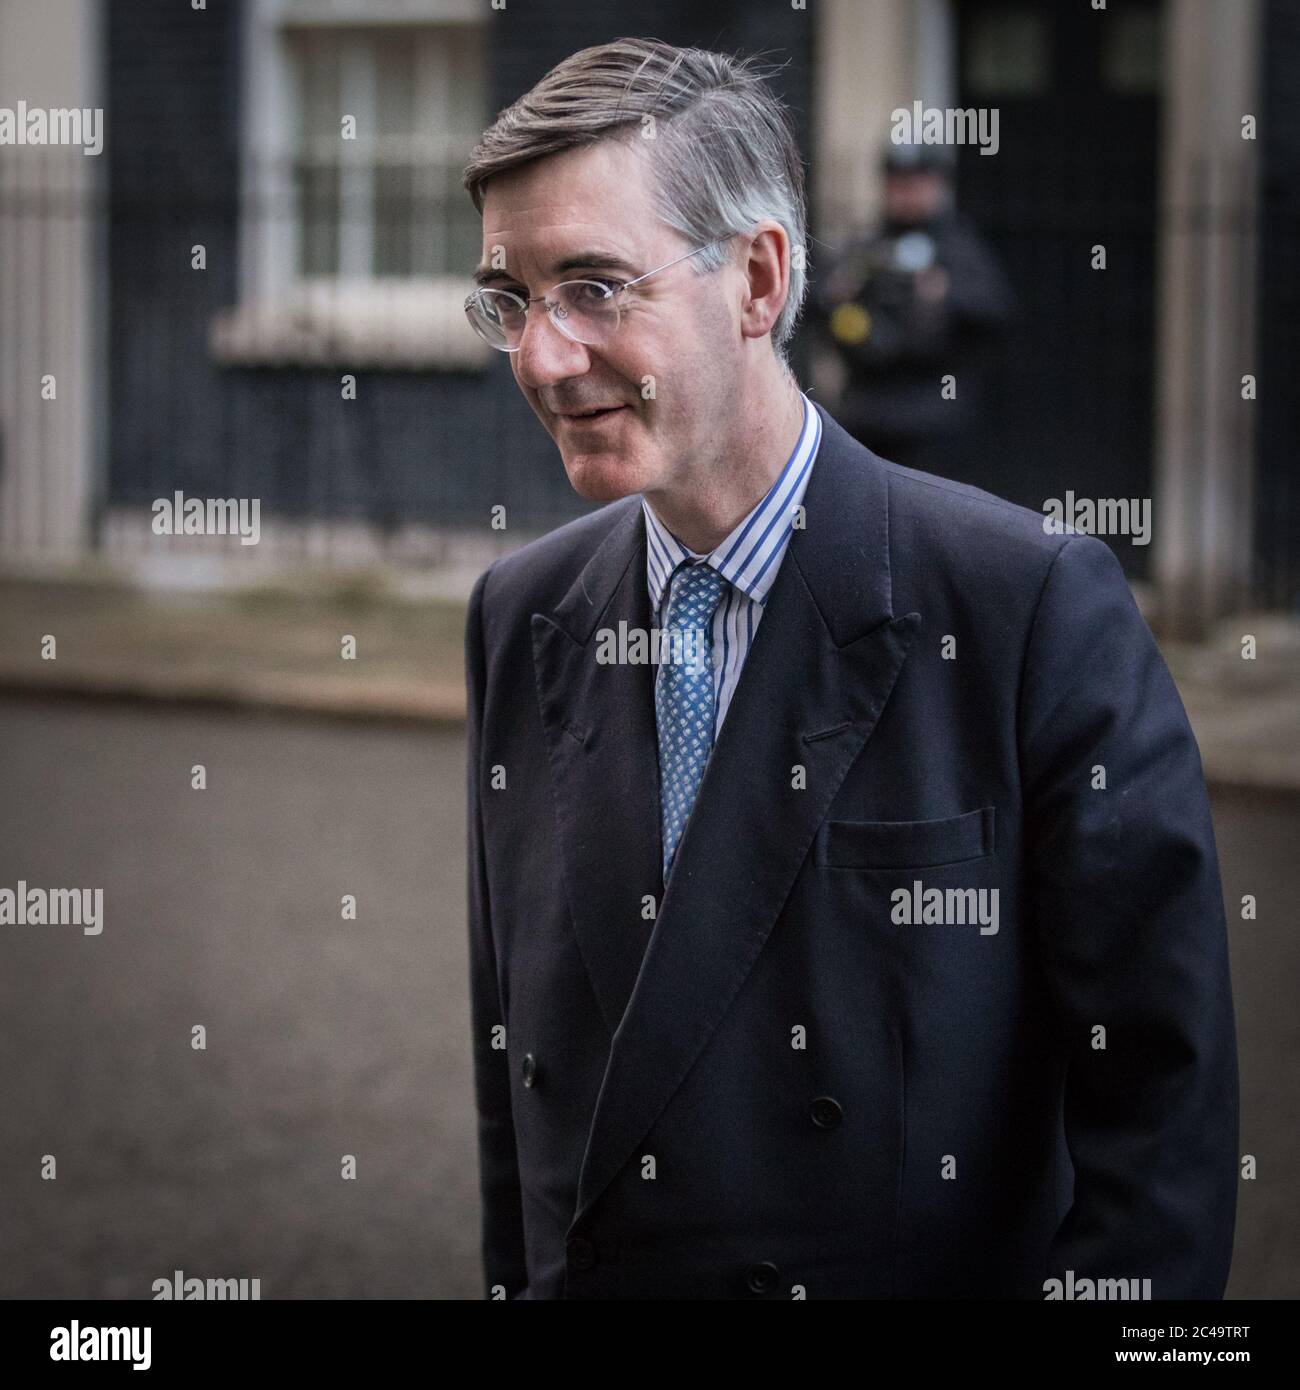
<point x="759" y="1081"/>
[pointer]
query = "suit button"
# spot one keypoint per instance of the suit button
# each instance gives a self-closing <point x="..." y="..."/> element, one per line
<point x="529" y="1069"/>
<point x="581" y="1252"/>
<point x="825" y="1112"/>
<point x="761" y="1278"/>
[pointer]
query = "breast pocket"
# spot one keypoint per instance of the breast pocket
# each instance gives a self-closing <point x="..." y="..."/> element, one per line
<point x="904" y="844"/>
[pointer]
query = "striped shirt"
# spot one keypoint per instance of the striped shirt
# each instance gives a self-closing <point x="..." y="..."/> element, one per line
<point x="749" y="559"/>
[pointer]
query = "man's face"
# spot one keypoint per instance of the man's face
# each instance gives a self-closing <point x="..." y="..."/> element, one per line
<point x="914" y="198"/>
<point x="551" y="217"/>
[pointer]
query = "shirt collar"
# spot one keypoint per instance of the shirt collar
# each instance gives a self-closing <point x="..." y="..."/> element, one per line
<point x="751" y="555"/>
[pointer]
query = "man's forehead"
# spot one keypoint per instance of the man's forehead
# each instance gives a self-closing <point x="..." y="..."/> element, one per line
<point x="554" y="208"/>
<point x="534" y="247"/>
<point x="541" y="237"/>
<point x="607" y="169"/>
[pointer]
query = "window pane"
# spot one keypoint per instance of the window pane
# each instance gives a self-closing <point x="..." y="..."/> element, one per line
<point x="425" y="94"/>
<point x="1131" y="53"/>
<point x="1008" y="53"/>
<point x="453" y="110"/>
<point x="466" y="82"/>
<point x="316" y="58"/>
<point x="394" y="218"/>
<point x="316" y="61"/>
<point x="318" y="213"/>
<point x="395" y="61"/>
<point x="394" y="56"/>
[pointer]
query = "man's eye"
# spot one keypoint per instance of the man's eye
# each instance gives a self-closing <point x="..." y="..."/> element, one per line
<point x="593" y="293"/>
<point x="586" y="291"/>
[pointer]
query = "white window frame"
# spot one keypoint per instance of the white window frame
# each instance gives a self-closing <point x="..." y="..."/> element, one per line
<point x="354" y="318"/>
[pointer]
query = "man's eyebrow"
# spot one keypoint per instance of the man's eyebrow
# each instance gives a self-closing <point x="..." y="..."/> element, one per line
<point x="584" y="260"/>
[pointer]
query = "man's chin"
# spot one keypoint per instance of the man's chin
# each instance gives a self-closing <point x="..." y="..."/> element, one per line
<point x="602" y="477"/>
<point x="602" y="470"/>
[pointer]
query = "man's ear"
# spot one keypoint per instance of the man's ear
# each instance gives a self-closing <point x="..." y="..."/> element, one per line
<point x="765" y="263"/>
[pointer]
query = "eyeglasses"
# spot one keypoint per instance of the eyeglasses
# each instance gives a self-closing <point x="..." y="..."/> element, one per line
<point x="588" y="311"/>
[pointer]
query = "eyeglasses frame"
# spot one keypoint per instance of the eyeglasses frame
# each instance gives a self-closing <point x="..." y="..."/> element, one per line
<point x="551" y="306"/>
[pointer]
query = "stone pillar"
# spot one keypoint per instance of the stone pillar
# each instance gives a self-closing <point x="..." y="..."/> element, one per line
<point x="1205" y="326"/>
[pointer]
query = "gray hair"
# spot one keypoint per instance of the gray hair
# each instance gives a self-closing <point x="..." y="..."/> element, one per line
<point x="725" y="155"/>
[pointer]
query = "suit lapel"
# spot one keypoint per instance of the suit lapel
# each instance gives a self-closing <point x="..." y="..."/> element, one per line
<point x="824" y="661"/>
<point x="600" y="730"/>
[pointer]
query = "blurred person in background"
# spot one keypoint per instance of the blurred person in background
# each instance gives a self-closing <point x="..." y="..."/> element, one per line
<point x="907" y="303"/>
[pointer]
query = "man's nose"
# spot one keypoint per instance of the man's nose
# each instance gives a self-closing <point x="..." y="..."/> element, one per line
<point x="545" y="355"/>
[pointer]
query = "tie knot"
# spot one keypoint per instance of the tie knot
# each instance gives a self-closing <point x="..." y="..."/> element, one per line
<point x="696" y="589"/>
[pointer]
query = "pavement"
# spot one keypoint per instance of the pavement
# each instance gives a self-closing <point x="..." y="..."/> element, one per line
<point x="325" y="1035"/>
<point x="279" y="645"/>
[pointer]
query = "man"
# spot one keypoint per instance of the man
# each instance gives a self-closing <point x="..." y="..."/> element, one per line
<point x="873" y="946"/>
<point x="916" y="298"/>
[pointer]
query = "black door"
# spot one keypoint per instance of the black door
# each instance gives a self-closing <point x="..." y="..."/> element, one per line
<point x="1071" y="391"/>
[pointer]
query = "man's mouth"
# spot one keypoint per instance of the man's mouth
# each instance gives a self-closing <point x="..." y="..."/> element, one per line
<point x="596" y="413"/>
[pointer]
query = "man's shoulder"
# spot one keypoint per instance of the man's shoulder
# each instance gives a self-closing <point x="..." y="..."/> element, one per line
<point x="930" y="517"/>
<point x="919" y="498"/>
<point x="997" y="553"/>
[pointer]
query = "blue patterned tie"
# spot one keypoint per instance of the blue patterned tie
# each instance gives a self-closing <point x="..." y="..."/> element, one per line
<point x="684" y="696"/>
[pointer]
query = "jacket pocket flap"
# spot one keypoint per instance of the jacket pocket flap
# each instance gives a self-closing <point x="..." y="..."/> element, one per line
<point x="904" y="844"/>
